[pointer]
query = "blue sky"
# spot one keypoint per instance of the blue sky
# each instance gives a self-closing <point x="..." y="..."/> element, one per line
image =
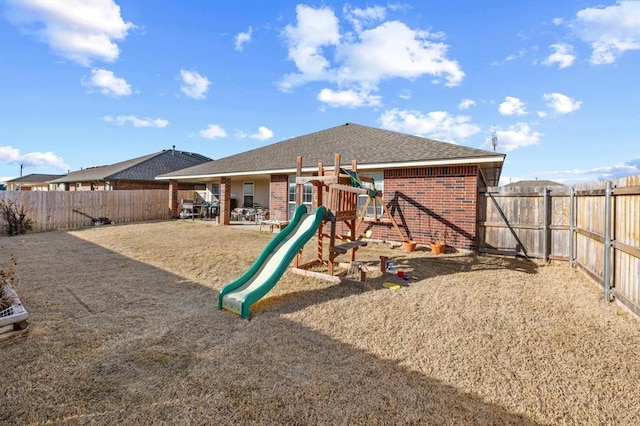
<point x="93" y="82"/>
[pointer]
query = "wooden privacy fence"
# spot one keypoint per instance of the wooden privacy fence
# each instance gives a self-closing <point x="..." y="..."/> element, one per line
<point x="595" y="227"/>
<point x="53" y="210"/>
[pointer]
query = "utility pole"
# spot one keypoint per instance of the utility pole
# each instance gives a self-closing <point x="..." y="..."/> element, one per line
<point x="494" y="138"/>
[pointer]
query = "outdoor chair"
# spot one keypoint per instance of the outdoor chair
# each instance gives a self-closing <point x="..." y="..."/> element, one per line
<point x="273" y="222"/>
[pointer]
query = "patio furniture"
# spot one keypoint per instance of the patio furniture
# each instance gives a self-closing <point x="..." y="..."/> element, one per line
<point x="273" y="222"/>
<point x="242" y="214"/>
<point x="186" y="209"/>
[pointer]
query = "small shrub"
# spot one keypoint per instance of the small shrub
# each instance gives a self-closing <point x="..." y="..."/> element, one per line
<point x="16" y="218"/>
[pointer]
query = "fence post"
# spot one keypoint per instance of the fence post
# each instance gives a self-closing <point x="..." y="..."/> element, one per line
<point x="607" y="241"/>
<point x="545" y="225"/>
<point x="572" y="225"/>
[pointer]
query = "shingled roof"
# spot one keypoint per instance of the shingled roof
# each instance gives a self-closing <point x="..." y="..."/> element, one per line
<point x="533" y="183"/>
<point x="34" y="178"/>
<point x="370" y="147"/>
<point x="144" y="168"/>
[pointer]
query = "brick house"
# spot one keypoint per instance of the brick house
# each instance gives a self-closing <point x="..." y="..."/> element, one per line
<point x="136" y="173"/>
<point x="32" y="182"/>
<point x="430" y="187"/>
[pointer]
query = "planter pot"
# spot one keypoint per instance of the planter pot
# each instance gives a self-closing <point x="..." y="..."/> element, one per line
<point x="409" y="246"/>
<point x="437" y="248"/>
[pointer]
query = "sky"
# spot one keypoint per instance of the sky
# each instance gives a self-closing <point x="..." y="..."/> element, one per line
<point x="94" y="82"/>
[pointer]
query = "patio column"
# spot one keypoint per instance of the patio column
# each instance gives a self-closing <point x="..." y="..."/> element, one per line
<point x="173" y="198"/>
<point x="225" y="201"/>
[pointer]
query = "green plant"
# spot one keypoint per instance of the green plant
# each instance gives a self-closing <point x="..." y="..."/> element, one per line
<point x="15" y="216"/>
<point x="7" y="277"/>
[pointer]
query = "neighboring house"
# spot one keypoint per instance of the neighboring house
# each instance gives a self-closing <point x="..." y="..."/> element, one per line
<point x="430" y="187"/>
<point x="32" y="182"/>
<point x="137" y="173"/>
<point x="533" y="184"/>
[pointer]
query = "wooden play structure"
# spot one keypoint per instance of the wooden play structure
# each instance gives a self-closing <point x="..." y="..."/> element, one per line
<point x="338" y="192"/>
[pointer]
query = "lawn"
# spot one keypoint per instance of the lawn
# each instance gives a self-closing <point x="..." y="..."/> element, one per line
<point x="124" y="329"/>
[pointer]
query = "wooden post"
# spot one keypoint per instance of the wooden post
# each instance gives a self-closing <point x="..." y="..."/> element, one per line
<point x="383" y="264"/>
<point x="173" y="198"/>
<point x="320" y="202"/>
<point x="332" y="243"/>
<point x="299" y="187"/>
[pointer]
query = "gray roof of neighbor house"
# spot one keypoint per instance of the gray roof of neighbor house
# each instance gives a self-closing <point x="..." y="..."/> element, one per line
<point x="533" y="183"/>
<point x="144" y="168"/>
<point x="34" y="178"/>
<point x="369" y="146"/>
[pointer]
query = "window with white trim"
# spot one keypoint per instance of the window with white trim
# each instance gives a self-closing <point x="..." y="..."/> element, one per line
<point x="307" y="196"/>
<point x="378" y="183"/>
<point x="215" y="193"/>
<point x="247" y="194"/>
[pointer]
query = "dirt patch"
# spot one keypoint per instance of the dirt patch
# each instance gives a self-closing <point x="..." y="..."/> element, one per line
<point x="124" y="328"/>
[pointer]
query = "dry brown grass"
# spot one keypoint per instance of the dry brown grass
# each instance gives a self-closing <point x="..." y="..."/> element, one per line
<point x="124" y="329"/>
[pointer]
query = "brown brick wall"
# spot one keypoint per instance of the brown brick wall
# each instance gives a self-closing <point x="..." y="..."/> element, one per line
<point x="429" y="202"/>
<point x="225" y="200"/>
<point x="279" y="195"/>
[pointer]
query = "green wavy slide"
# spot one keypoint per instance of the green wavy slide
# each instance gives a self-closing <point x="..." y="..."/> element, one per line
<point x="253" y="285"/>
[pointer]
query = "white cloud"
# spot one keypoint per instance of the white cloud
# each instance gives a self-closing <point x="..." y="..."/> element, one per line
<point x="361" y="17"/>
<point x="315" y="29"/>
<point x="516" y="136"/>
<point x="512" y="106"/>
<point x="107" y="83"/>
<point x="620" y="170"/>
<point x="356" y="61"/>
<point x="515" y="56"/>
<point x="405" y="94"/>
<point x="435" y="124"/>
<point x="466" y="104"/>
<point x="348" y="98"/>
<point x="135" y="121"/>
<point x="82" y="31"/>
<point x="557" y="21"/>
<point x="393" y="50"/>
<point x="521" y="53"/>
<point x="213" y="131"/>
<point x="194" y="85"/>
<point x="563" y="55"/>
<point x="610" y="31"/>
<point x="542" y="114"/>
<point x="562" y="104"/>
<point x="263" y="134"/>
<point x="242" y="39"/>
<point x="38" y="160"/>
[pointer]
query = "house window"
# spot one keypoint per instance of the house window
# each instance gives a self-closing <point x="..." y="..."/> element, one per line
<point x="215" y="193"/>
<point x="307" y="195"/>
<point x="247" y="192"/>
<point x="378" y="183"/>
<point x="78" y="186"/>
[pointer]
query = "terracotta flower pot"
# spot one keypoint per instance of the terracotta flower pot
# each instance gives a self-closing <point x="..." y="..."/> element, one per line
<point x="437" y="248"/>
<point x="409" y="246"/>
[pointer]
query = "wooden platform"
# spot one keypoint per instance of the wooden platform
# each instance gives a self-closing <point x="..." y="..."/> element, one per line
<point x="343" y="248"/>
